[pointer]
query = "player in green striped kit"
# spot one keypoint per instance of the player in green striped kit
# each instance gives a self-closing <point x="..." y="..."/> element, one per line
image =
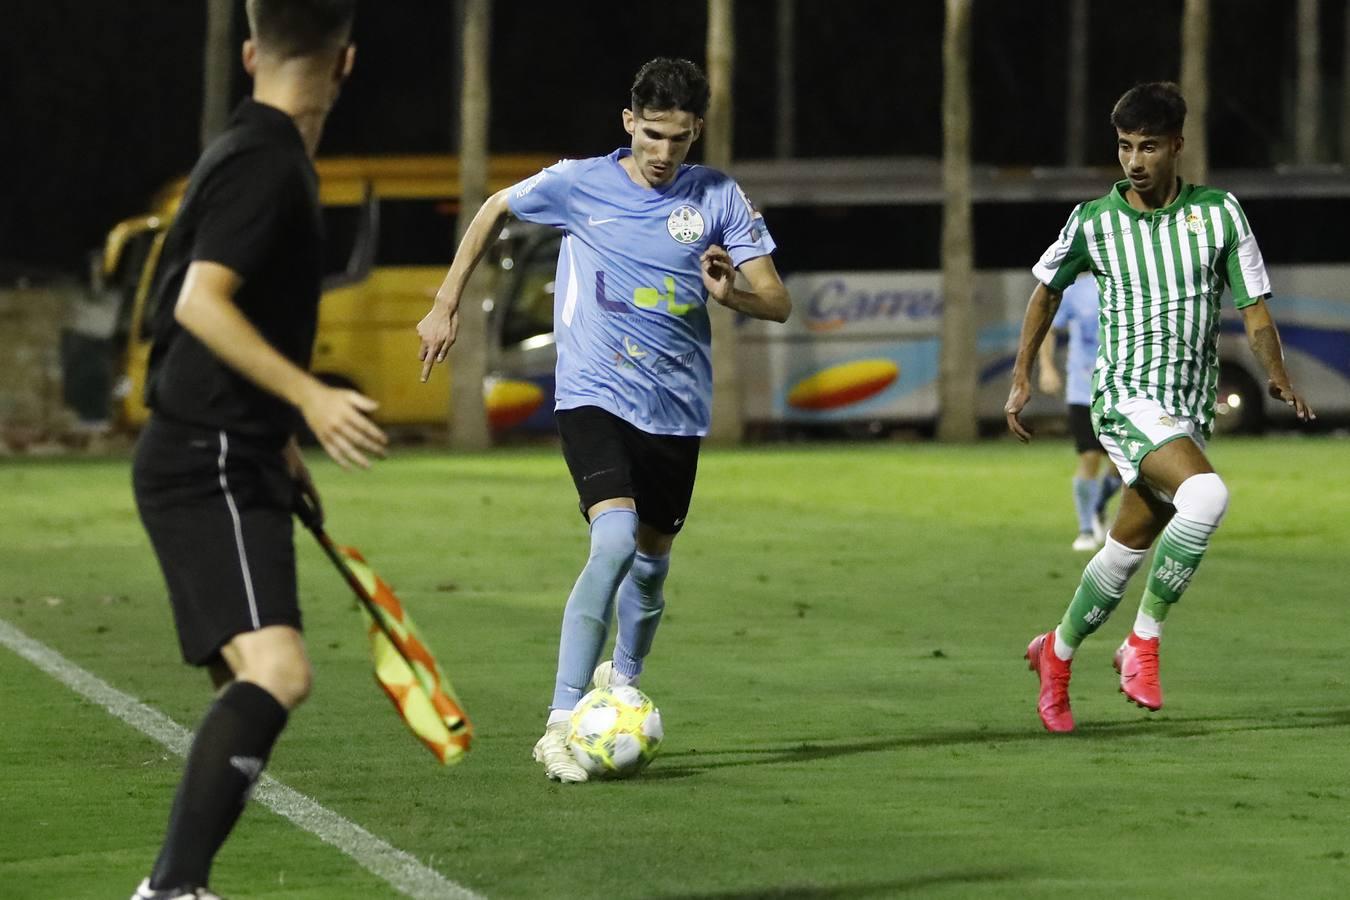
<point x="1162" y="251"/>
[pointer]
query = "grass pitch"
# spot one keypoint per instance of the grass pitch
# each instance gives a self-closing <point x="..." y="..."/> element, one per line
<point x="840" y="675"/>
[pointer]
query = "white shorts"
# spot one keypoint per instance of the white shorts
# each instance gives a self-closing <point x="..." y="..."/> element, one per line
<point x="1135" y="428"/>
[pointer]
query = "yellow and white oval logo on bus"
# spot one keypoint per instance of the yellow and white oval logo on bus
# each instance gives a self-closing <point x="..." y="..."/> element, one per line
<point x="510" y="402"/>
<point x="844" y="384"/>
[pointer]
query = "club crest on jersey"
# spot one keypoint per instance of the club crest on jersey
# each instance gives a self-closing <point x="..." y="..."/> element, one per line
<point x="685" y="224"/>
<point x="1194" y="225"/>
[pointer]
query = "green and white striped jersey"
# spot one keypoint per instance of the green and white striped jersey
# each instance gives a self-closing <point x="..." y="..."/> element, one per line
<point x="1160" y="275"/>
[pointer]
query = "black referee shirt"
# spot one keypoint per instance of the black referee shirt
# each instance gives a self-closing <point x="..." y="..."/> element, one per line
<point x="251" y="204"/>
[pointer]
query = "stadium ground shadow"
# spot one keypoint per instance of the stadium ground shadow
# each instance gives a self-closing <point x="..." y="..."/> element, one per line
<point x="696" y="762"/>
<point x="888" y="888"/>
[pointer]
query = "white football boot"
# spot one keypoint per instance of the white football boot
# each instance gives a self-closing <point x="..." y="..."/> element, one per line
<point x="144" y="892"/>
<point x="603" y="676"/>
<point x="558" y="761"/>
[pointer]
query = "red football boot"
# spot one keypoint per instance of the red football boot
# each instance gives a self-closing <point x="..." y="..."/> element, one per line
<point x="1137" y="663"/>
<point x="1053" y="702"/>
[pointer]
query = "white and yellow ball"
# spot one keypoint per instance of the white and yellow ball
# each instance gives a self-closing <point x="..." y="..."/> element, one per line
<point x="615" y="732"/>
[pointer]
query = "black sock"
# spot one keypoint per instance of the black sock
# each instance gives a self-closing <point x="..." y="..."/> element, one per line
<point x="228" y="753"/>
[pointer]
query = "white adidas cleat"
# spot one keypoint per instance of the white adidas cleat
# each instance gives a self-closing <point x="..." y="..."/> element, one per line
<point x="1085" y="542"/>
<point x="603" y="676"/>
<point x="558" y="761"/>
<point x="145" y="892"/>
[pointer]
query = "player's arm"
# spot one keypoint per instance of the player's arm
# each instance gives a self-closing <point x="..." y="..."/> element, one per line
<point x="1264" y="339"/>
<point x="1040" y="313"/>
<point x="767" y="298"/>
<point x="1049" y="377"/>
<point x="207" y="310"/>
<point x="439" y="328"/>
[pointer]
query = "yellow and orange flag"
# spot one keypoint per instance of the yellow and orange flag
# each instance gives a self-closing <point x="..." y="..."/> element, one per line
<point x="405" y="668"/>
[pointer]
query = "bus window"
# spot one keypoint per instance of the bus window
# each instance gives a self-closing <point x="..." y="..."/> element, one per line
<point x="342" y="226"/>
<point x="529" y="311"/>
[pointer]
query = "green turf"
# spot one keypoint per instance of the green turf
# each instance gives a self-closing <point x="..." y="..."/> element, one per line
<point x="839" y="671"/>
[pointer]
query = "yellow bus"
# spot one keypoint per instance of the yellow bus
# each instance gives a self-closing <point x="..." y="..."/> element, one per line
<point x="389" y="238"/>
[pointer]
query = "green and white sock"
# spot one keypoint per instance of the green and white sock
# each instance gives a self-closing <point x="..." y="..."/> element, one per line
<point x="1180" y="549"/>
<point x="1099" y="592"/>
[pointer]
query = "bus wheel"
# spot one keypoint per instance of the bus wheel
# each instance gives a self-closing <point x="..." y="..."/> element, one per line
<point x="1238" y="404"/>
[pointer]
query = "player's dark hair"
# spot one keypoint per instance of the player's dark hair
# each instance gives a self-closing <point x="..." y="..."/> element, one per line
<point x="290" y="28"/>
<point x="1153" y="108"/>
<point x="665" y="83"/>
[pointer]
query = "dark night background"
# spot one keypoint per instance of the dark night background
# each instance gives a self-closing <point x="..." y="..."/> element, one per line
<point x="100" y="99"/>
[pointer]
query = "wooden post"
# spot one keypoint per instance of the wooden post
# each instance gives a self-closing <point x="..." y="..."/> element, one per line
<point x="1195" y="88"/>
<point x="1308" y="86"/>
<point x="717" y="151"/>
<point x="1075" y="91"/>
<point x="956" y="366"/>
<point x="218" y="56"/>
<point x="468" y="360"/>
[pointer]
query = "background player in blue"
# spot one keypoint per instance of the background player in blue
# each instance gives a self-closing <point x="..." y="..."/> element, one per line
<point x="1078" y="313"/>
<point x="648" y="240"/>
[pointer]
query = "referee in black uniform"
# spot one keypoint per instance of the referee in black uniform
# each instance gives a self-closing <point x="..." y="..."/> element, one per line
<point x="217" y="469"/>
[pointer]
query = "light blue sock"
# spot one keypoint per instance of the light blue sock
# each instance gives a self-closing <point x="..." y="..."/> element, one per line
<point x="1085" y="493"/>
<point x="586" y="617"/>
<point x="1110" y="483"/>
<point x="641" y="603"/>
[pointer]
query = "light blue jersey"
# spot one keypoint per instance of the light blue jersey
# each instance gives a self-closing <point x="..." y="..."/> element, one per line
<point x="1079" y="314"/>
<point x="629" y="312"/>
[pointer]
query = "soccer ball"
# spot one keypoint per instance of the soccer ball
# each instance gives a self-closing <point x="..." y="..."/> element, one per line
<point x="615" y="732"/>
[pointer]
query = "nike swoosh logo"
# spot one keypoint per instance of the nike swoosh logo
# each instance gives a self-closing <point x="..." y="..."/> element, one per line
<point x="594" y="221"/>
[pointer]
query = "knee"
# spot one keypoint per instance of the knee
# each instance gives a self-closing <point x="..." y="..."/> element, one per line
<point x="614" y="539"/>
<point x="289" y="679"/>
<point x="1202" y="498"/>
<point x="649" y="573"/>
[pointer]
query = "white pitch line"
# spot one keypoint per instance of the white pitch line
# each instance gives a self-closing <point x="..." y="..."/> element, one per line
<point x="396" y="867"/>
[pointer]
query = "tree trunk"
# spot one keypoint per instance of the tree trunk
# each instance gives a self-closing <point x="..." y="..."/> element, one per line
<point x="1308" y="88"/>
<point x="1345" y="91"/>
<point x="217" y="68"/>
<point x="784" y="144"/>
<point x="468" y="415"/>
<point x="1075" y="95"/>
<point x="957" y="366"/>
<point x="726" y="411"/>
<point x="1195" y="87"/>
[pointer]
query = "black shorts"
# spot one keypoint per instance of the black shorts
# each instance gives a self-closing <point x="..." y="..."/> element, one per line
<point x="217" y="507"/>
<point x="609" y="458"/>
<point x="1080" y="426"/>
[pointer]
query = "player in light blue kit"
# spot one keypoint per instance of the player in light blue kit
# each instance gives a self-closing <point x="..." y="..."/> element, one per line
<point x="1078" y="313"/>
<point x="648" y="240"/>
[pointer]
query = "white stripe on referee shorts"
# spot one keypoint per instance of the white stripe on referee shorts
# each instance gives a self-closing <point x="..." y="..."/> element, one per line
<point x="397" y="868"/>
<point x="238" y="533"/>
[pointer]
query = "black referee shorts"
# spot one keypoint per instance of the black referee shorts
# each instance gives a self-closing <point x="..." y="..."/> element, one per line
<point x="217" y="507"/>
<point x="1080" y="426"/>
<point x="609" y="458"/>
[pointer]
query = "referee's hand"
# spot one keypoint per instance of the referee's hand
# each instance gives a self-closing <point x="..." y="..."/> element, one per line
<point x="338" y="417"/>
